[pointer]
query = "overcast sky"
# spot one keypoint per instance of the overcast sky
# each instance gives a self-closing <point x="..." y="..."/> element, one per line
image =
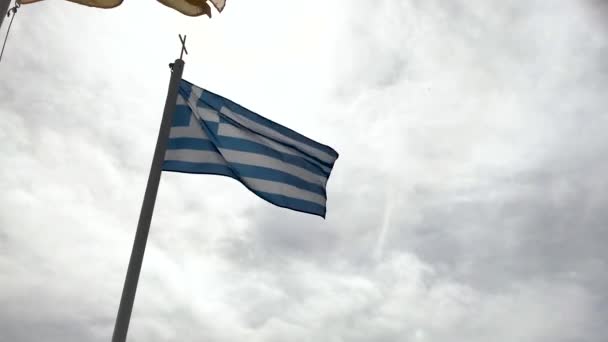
<point x="468" y="204"/>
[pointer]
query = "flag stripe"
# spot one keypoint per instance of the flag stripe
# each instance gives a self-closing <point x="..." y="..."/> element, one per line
<point x="293" y="203"/>
<point x="227" y="130"/>
<point x="185" y="132"/>
<point x="224" y="170"/>
<point x="203" y="168"/>
<point x="191" y="144"/>
<point x="256" y="178"/>
<point x="282" y="188"/>
<point x="243" y="145"/>
<point x="266" y="131"/>
<point x="245" y="170"/>
<point x="250" y="171"/>
<point x="267" y="162"/>
<point x="258" y="143"/>
<point x="225" y="155"/>
<point x="194" y="156"/>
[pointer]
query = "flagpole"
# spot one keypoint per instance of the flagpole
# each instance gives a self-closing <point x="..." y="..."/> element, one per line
<point x="4" y="6"/>
<point x="145" y="217"/>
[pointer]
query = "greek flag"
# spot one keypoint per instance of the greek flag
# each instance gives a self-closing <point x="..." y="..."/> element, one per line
<point x="213" y="135"/>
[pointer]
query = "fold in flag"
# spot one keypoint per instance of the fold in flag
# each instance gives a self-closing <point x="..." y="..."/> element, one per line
<point x="213" y="135"/>
<point x="188" y="7"/>
<point x="194" y="7"/>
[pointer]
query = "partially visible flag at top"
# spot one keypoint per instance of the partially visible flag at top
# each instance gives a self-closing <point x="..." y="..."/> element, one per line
<point x="187" y="7"/>
<point x="213" y="135"/>
<point x="91" y="3"/>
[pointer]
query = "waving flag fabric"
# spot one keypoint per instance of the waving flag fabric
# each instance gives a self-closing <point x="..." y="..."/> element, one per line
<point x="91" y="3"/>
<point x="187" y="7"/>
<point x="213" y="135"/>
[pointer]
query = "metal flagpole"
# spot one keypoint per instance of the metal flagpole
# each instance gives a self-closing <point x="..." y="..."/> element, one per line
<point x="4" y="5"/>
<point x="8" y="30"/>
<point x="147" y="207"/>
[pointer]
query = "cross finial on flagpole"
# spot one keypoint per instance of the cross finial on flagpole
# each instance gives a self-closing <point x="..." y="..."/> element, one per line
<point x="183" y="40"/>
<point x="181" y="55"/>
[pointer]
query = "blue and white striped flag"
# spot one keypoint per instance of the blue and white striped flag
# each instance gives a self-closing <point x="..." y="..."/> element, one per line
<point x="213" y="135"/>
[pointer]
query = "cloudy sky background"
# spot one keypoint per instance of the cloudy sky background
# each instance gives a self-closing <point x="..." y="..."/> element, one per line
<point x="468" y="203"/>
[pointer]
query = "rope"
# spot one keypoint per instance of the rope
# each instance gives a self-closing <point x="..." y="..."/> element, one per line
<point x="14" y="10"/>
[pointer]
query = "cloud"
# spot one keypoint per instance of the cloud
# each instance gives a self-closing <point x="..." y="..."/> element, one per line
<point x="466" y="205"/>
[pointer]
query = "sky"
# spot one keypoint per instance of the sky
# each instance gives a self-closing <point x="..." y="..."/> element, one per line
<point x="468" y="202"/>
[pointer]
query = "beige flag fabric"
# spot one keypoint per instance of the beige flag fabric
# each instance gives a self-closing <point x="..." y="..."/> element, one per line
<point x="188" y="7"/>
<point x="191" y="8"/>
<point x="218" y="4"/>
<point x="91" y="3"/>
<point x="194" y="7"/>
